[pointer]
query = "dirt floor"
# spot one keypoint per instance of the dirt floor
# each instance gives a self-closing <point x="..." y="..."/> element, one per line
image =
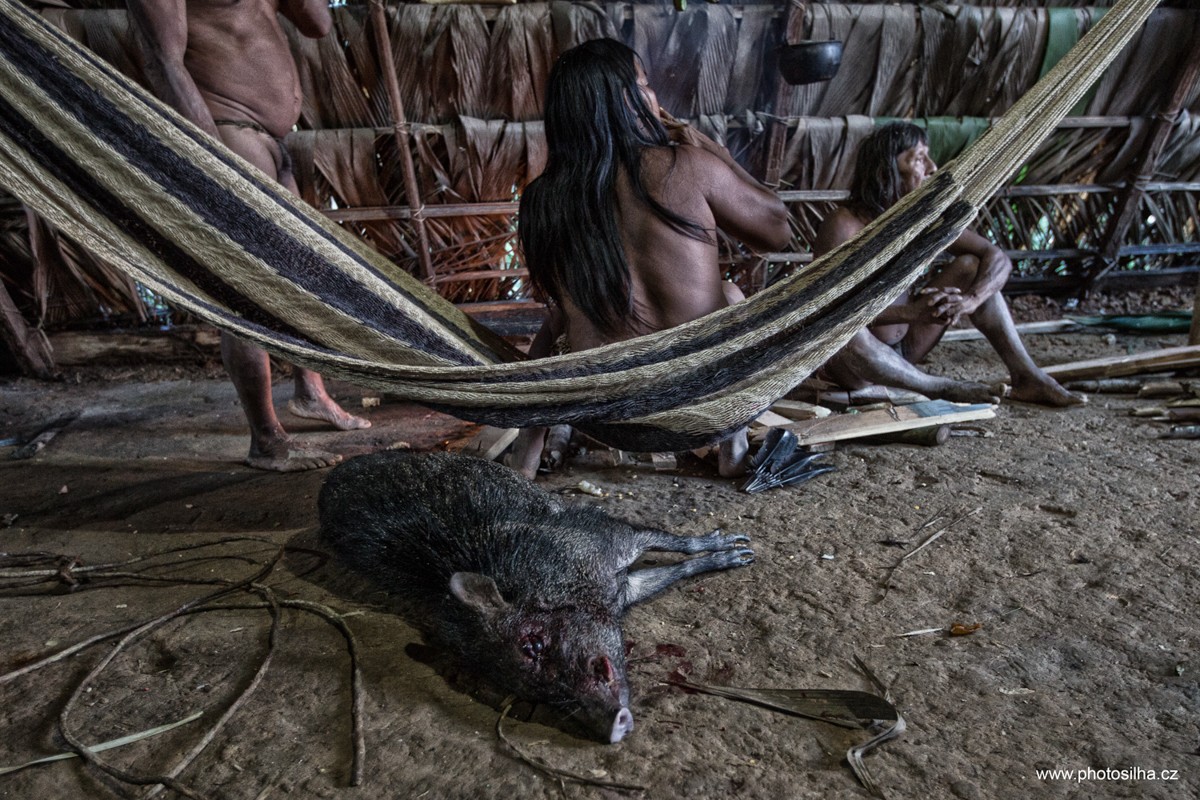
<point x="1071" y="538"/>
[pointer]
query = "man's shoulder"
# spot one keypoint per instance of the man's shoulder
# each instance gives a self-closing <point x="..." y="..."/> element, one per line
<point x="680" y="157"/>
<point x="842" y="215"/>
<point x="838" y="226"/>
<point x="842" y="220"/>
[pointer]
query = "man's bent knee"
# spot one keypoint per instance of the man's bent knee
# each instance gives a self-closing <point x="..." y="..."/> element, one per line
<point x="961" y="272"/>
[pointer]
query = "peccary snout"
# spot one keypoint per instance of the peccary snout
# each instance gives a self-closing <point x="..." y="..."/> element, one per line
<point x="549" y="656"/>
<point x="622" y="725"/>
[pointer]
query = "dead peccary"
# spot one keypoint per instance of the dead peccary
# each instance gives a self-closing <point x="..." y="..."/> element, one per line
<point x="523" y="589"/>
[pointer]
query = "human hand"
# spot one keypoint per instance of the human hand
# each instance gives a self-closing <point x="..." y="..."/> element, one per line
<point x="945" y="305"/>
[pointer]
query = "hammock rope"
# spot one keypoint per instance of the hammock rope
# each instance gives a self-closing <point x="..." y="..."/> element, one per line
<point x="126" y="176"/>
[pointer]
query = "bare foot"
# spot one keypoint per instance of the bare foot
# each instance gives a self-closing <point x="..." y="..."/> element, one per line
<point x="289" y="459"/>
<point x="328" y="411"/>
<point x="1042" y="390"/>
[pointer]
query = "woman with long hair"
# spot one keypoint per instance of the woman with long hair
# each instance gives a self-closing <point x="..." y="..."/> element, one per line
<point x="619" y="232"/>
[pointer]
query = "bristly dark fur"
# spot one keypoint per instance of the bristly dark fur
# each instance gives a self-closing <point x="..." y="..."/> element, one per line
<point x="876" y="186"/>
<point x="598" y="125"/>
<point x="517" y="586"/>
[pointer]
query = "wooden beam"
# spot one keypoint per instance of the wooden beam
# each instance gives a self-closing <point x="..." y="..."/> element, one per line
<point x="1114" y="281"/>
<point x="798" y="409"/>
<point x="27" y="345"/>
<point x="180" y="343"/>
<point x="1068" y="123"/>
<point x="814" y="195"/>
<point x="378" y="213"/>
<point x="502" y="208"/>
<point x="1051" y="190"/>
<point x="1169" y="358"/>
<point x="383" y="43"/>
<point x="1144" y="168"/>
<point x="1049" y="255"/>
<point x="483" y="275"/>
<point x="487" y="443"/>
<point x="1024" y="329"/>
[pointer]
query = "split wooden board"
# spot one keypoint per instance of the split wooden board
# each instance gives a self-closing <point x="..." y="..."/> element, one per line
<point x="489" y="442"/>
<point x="1115" y="366"/>
<point x="889" y="420"/>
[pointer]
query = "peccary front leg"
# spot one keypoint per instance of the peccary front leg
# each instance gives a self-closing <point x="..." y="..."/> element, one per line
<point x="642" y="584"/>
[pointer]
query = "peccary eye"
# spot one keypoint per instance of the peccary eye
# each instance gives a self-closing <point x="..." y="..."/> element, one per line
<point x="532" y="646"/>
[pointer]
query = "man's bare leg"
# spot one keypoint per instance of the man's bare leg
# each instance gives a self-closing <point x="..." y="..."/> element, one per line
<point x="865" y="360"/>
<point x="731" y="455"/>
<point x="526" y="455"/>
<point x="270" y="447"/>
<point x="311" y="401"/>
<point x="1030" y="383"/>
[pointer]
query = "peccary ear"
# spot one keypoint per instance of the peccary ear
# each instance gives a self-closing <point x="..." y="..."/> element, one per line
<point x="477" y="591"/>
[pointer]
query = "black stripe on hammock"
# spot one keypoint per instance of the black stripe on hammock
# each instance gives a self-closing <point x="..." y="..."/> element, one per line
<point x="57" y="163"/>
<point x="219" y="208"/>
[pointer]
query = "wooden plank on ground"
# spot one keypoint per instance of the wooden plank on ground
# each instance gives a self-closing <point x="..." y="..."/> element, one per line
<point x="798" y="409"/>
<point x="1133" y="364"/>
<point x="489" y="442"/>
<point x="889" y="420"/>
<point x="770" y="419"/>
<point x="1026" y="328"/>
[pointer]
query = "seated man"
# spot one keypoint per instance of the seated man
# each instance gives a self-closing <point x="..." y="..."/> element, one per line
<point x="891" y="163"/>
<point x="619" y="231"/>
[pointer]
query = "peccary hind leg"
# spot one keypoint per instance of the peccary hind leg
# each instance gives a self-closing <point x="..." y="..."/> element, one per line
<point x="643" y="584"/>
<point x="650" y="539"/>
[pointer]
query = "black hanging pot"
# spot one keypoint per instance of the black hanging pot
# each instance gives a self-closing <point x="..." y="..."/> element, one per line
<point x="809" y="61"/>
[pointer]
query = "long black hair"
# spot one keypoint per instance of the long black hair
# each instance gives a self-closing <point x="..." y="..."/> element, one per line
<point x="597" y="126"/>
<point x="877" y="185"/>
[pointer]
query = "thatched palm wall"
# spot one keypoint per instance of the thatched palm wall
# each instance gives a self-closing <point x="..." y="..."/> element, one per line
<point x="472" y="78"/>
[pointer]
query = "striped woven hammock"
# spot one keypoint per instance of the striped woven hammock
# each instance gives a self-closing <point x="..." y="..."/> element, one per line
<point x="128" y="177"/>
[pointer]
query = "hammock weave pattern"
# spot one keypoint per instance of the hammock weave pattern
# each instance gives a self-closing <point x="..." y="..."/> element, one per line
<point x="129" y="178"/>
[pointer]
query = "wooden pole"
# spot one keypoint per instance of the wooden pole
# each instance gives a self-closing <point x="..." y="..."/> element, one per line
<point x="29" y="348"/>
<point x="383" y="43"/>
<point x="777" y="138"/>
<point x="1143" y="169"/>
<point x="1194" y="333"/>
<point x="499" y="208"/>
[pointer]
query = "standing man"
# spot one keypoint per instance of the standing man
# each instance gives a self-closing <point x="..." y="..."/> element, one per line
<point x="227" y="67"/>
